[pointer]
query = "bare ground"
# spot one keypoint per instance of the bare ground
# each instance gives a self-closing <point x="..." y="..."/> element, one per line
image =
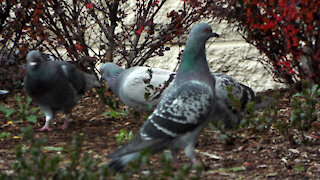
<point x="261" y="156"/>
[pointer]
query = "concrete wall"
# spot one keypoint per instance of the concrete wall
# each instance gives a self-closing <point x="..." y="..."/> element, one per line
<point x="227" y="54"/>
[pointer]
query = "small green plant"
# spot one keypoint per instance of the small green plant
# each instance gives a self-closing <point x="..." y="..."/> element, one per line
<point x="7" y="111"/>
<point x="251" y="121"/>
<point x="149" y="89"/>
<point x="304" y="111"/>
<point x="304" y="107"/>
<point x="124" y="136"/>
<point x="107" y="99"/>
<point x="116" y="114"/>
<point x="34" y="162"/>
<point x="31" y="161"/>
<point x="23" y="112"/>
<point x="166" y="169"/>
<point x="300" y="168"/>
<point x="302" y="114"/>
<point x="154" y="92"/>
<point x="4" y="135"/>
<point x="182" y="172"/>
<point x="234" y="101"/>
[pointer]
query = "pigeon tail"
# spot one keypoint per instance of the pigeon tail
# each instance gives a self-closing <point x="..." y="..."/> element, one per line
<point x="91" y="81"/>
<point x="119" y="164"/>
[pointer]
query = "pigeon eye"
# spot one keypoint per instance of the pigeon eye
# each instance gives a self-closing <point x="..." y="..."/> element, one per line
<point x="207" y="30"/>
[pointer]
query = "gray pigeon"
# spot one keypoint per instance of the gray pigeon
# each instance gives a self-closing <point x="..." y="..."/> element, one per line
<point x="130" y="86"/>
<point x="55" y="85"/>
<point x="183" y="111"/>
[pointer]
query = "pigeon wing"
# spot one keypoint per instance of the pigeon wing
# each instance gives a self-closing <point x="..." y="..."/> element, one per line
<point x="74" y="76"/>
<point x="181" y="111"/>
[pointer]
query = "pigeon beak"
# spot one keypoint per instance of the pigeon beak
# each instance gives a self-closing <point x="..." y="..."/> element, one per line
<point x="215" y="35"/>
<point x="33" y="63"/>
<point x="101" y="77"/>
<point x="102" y="80"/>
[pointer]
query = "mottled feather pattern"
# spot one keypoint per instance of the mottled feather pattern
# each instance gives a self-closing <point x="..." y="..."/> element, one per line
<point x="183" y="112"/>
<point x="180" y="111"/>
<point x="228" y="81"/>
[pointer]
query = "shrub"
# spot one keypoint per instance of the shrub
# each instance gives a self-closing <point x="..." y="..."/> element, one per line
<point x="24" y="111"/>
<point x="286" y="31"/>
<point x="32" y="162"/>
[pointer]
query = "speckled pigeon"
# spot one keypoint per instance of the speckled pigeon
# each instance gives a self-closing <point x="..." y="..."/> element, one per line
<point x="130" y="86"/>
<point x="184" y="110"/>
<point x="55" y="85"/>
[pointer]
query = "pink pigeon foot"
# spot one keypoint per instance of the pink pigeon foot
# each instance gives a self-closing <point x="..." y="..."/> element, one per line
<point x="175" y="164"/>
<point x="45" y="128"/>
<point x="64" y="125"/>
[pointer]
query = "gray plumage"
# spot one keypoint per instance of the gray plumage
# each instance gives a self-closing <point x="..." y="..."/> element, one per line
<point x="55" y="85"/>
<point x="184" y="110"/>
<point x="129" y="86"/>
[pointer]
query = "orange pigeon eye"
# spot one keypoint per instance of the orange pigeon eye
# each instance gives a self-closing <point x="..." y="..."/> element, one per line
<point x="207" y="30"/>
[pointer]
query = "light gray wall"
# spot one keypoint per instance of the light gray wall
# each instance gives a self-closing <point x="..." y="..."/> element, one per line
<point x="228" y="54"/>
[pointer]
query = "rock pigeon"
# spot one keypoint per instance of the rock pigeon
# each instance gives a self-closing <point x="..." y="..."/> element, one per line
<point x="184" y="110"/>
<point x="130" y="86"/>
<point x="55" y="85"/>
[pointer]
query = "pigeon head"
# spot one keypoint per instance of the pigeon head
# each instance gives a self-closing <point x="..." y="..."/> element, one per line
<point x="109" y="70"/>
<point x="194" y="54"/>
<point x="201" y="32"/>
<point x="34" y="59"/>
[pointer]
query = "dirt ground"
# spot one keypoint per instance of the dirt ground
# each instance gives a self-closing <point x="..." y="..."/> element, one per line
<point x="261" y="156"/>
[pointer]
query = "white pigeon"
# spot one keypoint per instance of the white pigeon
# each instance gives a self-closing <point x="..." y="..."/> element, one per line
<point x="131" y="86"/>
<point x="184" y="110"/>
<point x="55" y="85"/>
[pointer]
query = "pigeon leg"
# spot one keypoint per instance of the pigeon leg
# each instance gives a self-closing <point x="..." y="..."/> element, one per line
<point x="65" y="122"/>
<point x="189" y="151"/>
<point x="174" y="153"/>
<point x="49" y="116"/>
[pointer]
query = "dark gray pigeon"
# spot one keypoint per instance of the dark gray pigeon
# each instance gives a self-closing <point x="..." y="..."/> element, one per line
<point x="55" y="85"/>
<point x="184" y="110"/>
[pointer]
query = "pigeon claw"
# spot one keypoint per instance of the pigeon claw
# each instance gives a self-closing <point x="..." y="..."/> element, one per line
<point x="63" y="126"/>
<point x="44" y="128"/>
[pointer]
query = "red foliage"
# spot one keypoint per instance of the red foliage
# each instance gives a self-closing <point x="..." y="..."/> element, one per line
<point x="285" y="30"/>
<point x="77" y="30"/>
<point x="89" y="6"/>
<point x="79" y="47"/>
<point x="139" y="31"/>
